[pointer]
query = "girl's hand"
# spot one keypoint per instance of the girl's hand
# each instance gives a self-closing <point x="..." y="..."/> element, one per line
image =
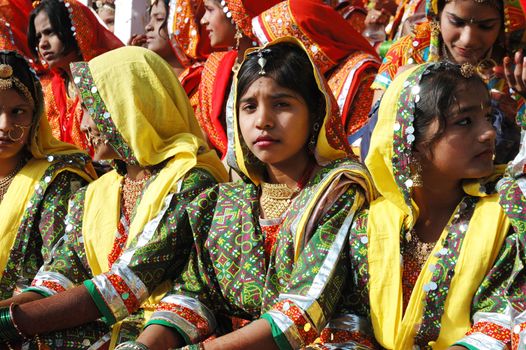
<point x="516" y="76"/>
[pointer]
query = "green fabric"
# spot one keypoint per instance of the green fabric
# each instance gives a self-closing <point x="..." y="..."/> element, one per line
<point x="169" y="325"/>
<point x="277" y="334"/>
<point x="107" y="316"/>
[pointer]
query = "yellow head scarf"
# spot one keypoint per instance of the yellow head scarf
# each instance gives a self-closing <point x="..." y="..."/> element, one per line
<point x="331" y="142"/>
<point x="139" y="104"/>
<point x="46" y="151"/>
<point x="395" y="212"/>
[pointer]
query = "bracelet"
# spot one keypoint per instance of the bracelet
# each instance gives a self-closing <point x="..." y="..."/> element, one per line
<point x="132" y="345"/>
<point x="198" y="346"/>
<point x="20" y="334"/>
<point x="8" y="330"/>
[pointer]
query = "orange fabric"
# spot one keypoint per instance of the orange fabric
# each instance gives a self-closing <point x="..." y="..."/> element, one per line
<point x="16" y="13"/>
<point x="244" y="10"/>
<point x="213" y="92"/>
<point x="188" y="37"/>
<point x="71" y="114"/>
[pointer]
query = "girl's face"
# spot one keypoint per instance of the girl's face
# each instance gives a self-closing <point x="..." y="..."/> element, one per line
<point x="466" y="148"/>
<point x="156" y="31"/>
<point x="101" y="148"/>
<point x="220" y="30"/>
<point x="469" y="29"/>
<point x="108" y="17"/>
<point x="50" y="48"/>
<point x="274" y="122"/>
<point x="16" y="116"/>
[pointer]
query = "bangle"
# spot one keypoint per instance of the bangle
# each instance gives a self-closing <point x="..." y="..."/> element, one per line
<point x="132" y="345"/>
<point x="11" y="309"/>
<point x="8" y="330"/>
<point x="198" y="346"/>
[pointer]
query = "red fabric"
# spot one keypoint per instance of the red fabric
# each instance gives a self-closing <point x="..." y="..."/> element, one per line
<point x="66" y="119"/>
<point x="16" y="13"/>
<point x="92" y="37"/>
<point x="221" y="89"/>
<point x="244" y="10"/>
<point x="328" y="29"/>
<point x="192" y="79"/>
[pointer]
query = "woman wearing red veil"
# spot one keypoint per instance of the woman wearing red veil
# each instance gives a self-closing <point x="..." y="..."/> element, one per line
<point x="61" y="32"/>
<point x="228" y="24"/>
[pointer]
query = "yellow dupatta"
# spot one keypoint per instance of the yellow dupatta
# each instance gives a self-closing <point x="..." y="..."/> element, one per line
<point x="331" y="144"/>
<point x="45" y="151"/>
<point x="152" y="114"/>
<point x="395" y="211"/>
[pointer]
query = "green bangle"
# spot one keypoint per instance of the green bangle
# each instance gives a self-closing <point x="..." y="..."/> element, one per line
<point x="132" y="345"/>
<point x="8" y="330"/>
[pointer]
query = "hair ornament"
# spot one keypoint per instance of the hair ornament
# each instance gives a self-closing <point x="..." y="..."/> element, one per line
<point x="36" y="3"/>
<point x="467" y="70"/>
<point x="262" y="60"/>
<point x="8" y="81"/>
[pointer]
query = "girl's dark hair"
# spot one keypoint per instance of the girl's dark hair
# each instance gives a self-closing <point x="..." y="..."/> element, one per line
<point x="438" y="90"/>
<point x="166" y="6"/>
<point x="59" y="19"/>
<point x="291" y="68"/>
<point x="27" y="76"/>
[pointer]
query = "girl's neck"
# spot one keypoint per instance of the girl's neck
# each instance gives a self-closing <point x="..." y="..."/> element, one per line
<point x="7" y="166"/>
<point x="290" y="173"/>
<point x="136" y="172"/>
<point x="176" y="65"/>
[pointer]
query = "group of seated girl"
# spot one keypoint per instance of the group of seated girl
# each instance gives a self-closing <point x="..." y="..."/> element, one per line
<point x="421" y="247"/>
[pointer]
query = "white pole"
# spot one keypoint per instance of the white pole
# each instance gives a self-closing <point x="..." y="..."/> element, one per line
<point x="131" y="16"/>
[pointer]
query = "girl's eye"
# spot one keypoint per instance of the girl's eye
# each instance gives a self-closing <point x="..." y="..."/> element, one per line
<point x="18" y="111"/>
<point x="464" y="122"/>
<point x="282" y="104"/>
<point x="486" y="26"/>
<point x="249" y="107"/>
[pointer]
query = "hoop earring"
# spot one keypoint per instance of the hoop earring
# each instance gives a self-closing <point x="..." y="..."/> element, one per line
<point x="18" y="135"/>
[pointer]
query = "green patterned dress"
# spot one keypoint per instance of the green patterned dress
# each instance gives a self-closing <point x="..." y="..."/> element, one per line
<point x="241" y="272"/>
<point x="158" y="254"/>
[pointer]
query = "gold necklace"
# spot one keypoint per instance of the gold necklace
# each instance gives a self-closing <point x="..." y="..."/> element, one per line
<point x="6" y="181"/>
<point x="417" y="249"/>
<point x="275" y="199"/>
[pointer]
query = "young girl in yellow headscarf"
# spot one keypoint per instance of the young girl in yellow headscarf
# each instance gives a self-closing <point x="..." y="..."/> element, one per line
<point x="270" y="249"/>
<point x="37" y="176"/>
<point x="127" y="233"/>
<point x="422" y="251"/>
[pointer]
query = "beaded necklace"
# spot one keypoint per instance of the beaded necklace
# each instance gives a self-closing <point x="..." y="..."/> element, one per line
<point x="6" y="181"/>
<point x="131" y="191"/>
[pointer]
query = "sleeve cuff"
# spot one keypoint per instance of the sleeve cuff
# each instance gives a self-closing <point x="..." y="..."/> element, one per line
<point x="466" y="345"/>
<point x="277" y="334"/>
<point x="38" y="291"/>
<point x="173" y="327"/>
<point x="107" y="316"/>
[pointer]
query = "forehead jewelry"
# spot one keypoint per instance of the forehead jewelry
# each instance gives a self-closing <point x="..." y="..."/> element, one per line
<point x="8" y="81"/>
<point x="262" y="60"/>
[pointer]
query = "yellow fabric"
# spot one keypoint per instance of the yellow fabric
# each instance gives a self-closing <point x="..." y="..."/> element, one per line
<point x="389" y="216"/>
<point x="324" y="152"/>
<point x="151" y="111"/>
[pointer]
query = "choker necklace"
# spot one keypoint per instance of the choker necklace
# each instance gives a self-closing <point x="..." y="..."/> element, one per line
<point x="275" y="199"/>
<point x="6" y="181"/>
<point x="131" y="192"/>
<point x="417" y="249"/>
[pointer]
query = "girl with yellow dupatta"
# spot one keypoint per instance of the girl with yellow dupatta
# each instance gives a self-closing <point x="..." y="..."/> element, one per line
<point x="127" y="233"/>
<point x="270" y="250"/>
<point x="37" y="176"/>
<point x="421" y="251"/>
